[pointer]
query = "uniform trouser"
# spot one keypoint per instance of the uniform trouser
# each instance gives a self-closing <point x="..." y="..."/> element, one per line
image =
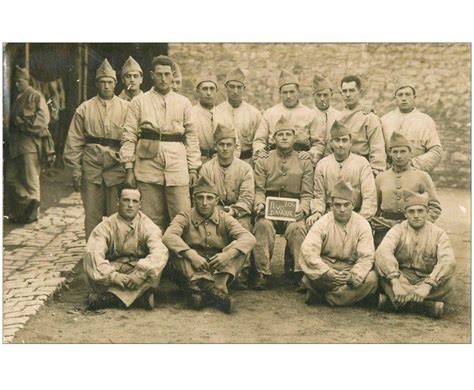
<point x="246" y="222"/>
<point x="264" y="231"/>
<point x="192" y="276"/>
<point x="162" y="203"/>
<point x="344" y="295"/>
<point x="99" y="201"/>
<point x="126" y="266"/>
<point x="23" y="177"/>
<point x="409" y="281"/>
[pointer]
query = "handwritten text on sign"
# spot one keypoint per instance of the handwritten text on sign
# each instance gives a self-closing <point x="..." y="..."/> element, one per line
<point x="281" y="209"/>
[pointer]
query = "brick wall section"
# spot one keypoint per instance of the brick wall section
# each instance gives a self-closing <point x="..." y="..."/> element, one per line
<point x="441" y="72"/>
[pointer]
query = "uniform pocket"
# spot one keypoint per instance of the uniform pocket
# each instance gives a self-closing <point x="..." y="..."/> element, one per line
<point x="147" y="149"/>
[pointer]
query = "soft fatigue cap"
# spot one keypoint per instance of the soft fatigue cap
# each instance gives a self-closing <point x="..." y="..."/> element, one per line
<point x="402" y="82"/>
<point x="206" y="75"/>
<point x="105" y="70"/>
<point x="287" y="78"/>
<point x="414" y="199"/>
<point x="223" y="132"/>
<point x="320" y="82"/>
<point x="283" y="124"/>
<point x="131" y="66"/>
<point x="205" y="185"/>
<point x="397" y="140"/>
<point x="338" y="129"/>
<point x="342" y="190"/>
<point x="177" y="71"/>
<point x="21" y="73"/>
<point x="236" y="75"/>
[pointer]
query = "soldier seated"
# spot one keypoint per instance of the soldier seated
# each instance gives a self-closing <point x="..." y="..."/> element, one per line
<point x="208" y="248"/>
<point x="337" y="255"/>
<point x="415" y="260"/>
<point x="124" y="256"/>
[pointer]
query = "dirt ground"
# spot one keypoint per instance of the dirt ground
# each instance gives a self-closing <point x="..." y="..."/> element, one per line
<point x="276" y="316"/>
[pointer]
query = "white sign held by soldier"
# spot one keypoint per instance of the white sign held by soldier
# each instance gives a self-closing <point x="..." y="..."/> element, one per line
<point x="281" y="209"/>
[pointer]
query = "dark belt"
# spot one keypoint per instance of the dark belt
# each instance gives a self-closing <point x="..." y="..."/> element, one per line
<point x="207" y="153"/>
<point x="296" y="146"/>
<point x="394" y="215"/>
<point x="246" y="154"/>
<point x="103" y="141"/>
<point x="157" y="136"/>
<point x="282" y="194"/>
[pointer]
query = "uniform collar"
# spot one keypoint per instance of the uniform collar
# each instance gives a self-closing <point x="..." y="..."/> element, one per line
<point x="396" y="170"/>
<point x="104" y="102"/>
<point x="197" y="218"/>
<point x="131" y="224"/>
<point x="284" y="155"/>
<point x="160" y="94"/>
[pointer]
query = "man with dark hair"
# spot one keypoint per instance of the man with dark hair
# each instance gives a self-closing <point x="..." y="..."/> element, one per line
<point x="29" y="127"/>
<point x="418" y="127"/>
<point x="92" y="148"/>
<point x="366" y="129"/>
<point x="282" y="174"/>
<point x="160" y="148"/>
<point x="342" y="164"/>
<point x="238" y="114"/>
<point x="132" y="79"/>
<point x="124" y="256"/>
<point x="337" y="255"/>
<point x="299" y="116"/>
<point x="208" y="248"/>
<point x="415" y="260"/>
<point x="392" y="183"/>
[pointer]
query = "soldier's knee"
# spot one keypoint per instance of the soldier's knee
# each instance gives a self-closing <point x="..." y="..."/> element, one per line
<point x="263" y="226"/>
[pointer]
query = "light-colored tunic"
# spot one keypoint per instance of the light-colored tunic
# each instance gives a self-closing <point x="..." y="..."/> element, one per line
<point x="323" y="121"/>
<point x="355" y="170"/>
<point x="420" y="129"/>
<point x="234" y="184"/>
<point x="163" y="163"/>
<point x="123" y="95"/>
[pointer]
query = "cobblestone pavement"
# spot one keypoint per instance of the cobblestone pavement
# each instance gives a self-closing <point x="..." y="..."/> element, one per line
<point x="36" y="258"/>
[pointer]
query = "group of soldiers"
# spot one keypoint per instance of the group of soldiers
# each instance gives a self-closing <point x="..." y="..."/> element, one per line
<point x="201" y="175"/>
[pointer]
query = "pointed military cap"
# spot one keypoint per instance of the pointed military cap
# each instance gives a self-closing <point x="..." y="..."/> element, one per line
<point x="205" y="185"/>
<point x="235" y="75"/>
<point x="320" y="82"/>
<point x="287" y="78"/>
<point x="177" y="71"/>
<point x="338" y="129"/>
<point x="402" y="82"/>
<point x="342" y="190"/>
<point x="131" y="66"/>
<point x="283" y="124"/>
<point x="105" y="70"/>
<point x="223" y="132"/>
<point x="413" y="199"/>
<point x="206" y="75"/>
<point x="398" y="139"/>
<point x="21" y="73"/>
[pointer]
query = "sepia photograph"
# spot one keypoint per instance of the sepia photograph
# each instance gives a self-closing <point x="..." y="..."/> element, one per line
<point x="237" y="193"/>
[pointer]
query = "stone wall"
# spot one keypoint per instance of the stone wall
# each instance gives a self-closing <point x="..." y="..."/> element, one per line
<point x="441" y="72"/>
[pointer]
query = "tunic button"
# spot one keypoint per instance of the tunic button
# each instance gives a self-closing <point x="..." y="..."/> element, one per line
<point x="398" y="198"/>
<point x="283" y="187"/>
<point x="283" y="161"/>
<point x="284" y="173"/>
<point x="399" y="187"/>
<point x="208" y="233"/>
<point x="398" y="176"/>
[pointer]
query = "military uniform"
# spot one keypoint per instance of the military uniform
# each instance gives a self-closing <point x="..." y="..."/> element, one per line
<point x="367" y="137"/>
<point x="420" y="130"/>
<point x="130" y="66"/>
<point x="29" y="124"/>
<point x="245" y="118"/>
<point x="415" y="257"/>
<point x="350" y="247"/>
<point x="207" y="236"/>
<point x="283" y="175"/>
<point x="160" y="143"/>
<point x="92" y="152"/>
<point x="300" y="118"/>
<point x="117" y="245"/>
<point x="354" y="170"/>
